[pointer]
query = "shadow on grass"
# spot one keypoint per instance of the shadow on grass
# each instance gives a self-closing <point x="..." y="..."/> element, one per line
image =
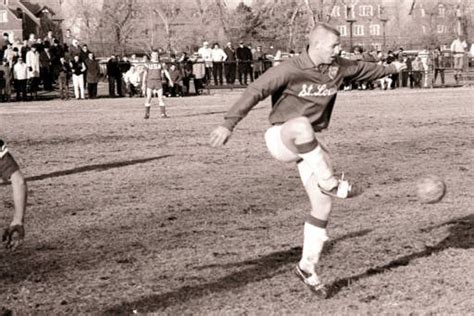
<point x="461" y="236"/>
<point x="97" y="167"/>
<point x="260" y="269"/>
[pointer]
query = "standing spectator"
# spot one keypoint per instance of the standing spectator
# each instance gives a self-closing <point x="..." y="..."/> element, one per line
<point x="33" y="64"/>
<point x="56" y="52"/>
<point x="199" y="73"/>
<point x="206" y="55"/>
<point x="218" y="57"/>
<point x="49" y="39"/>
<point x="4" y="41"/>
<point x="409" y="70"/>
<point x="15" y="57"/>
<point x="114" y="76"/>
<point x="20" y="75"/>
<point x="32" y="40"/>
<point x="24" y="49"/>
<point x="8" y="54"/>
<point x="244" y="59"/>
<point x="176" y="77"/>
<point x="45" y="69"/>
<point x="418" y="71"/>
<point x="5" y="81"/>
<point x="427" y="64"/>
<point x="92" y="75"/>
<point x="84" y="53"/>
<point x="259" y="62"/>
<point x="458" y="47"/>
<point x="439" y="65"/>
<point x="187" y="71"/>
<point x="74" y="49"/>
<point x="64" y="73"/>
<point x="230" y="65"/>
<point x="67" y="41"/>
<point x="405" y="73"/>
<point x="78" y="69"/>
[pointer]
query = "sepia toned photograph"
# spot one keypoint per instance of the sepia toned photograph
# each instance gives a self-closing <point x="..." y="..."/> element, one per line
<point x="236" y="157"/>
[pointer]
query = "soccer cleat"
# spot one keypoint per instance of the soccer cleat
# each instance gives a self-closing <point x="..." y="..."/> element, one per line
<point x="344" y="190"/>
<point x="164" y="115"/>
<point x="147" y="116"/>
<point x="312" y="282"/>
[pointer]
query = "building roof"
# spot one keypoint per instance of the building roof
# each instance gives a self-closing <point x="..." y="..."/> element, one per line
<point x="36" y="7"/>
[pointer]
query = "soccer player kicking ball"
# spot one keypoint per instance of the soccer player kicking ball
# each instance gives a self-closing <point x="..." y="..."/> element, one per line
<point x="152" y="80"/>
<point x="15" y="233"/>
<point x="303" y="91"/>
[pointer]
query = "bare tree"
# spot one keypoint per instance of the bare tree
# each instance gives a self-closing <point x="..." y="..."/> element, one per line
<point x="118" y="17"/>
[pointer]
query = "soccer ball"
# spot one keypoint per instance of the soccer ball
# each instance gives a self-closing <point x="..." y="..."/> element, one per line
<point x="430" y="189"/>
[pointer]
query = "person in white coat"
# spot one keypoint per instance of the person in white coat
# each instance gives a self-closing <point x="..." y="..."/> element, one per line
<point x="33" y="64"/>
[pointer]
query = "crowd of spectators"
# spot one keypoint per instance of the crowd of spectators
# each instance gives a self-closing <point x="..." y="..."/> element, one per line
<point x="51" y="64"/>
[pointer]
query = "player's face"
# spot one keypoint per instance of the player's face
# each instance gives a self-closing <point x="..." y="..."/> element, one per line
<point x="329" y="49"/>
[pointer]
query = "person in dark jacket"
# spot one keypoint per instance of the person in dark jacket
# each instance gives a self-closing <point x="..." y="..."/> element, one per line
<point x="244" y="59"/>
<point x="230" y="64"/>
<point x="56" y="52"/>
<point x="64" y="73"/>
<point x="114" y="76"/>
<point x="45" y="69"/>
<point x="92" y="75"/>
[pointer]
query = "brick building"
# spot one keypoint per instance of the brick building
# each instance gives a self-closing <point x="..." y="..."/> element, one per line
<point x="405" y="23"/>
<point x="20" y="18"/>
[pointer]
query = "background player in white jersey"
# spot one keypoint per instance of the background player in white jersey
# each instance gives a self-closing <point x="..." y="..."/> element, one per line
<point x="303" y="91"/>
<point x="153" y="80"/>
<point x="15" y="233"/>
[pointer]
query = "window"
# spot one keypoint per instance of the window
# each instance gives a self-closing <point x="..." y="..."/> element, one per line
<point x="423" y="29"/>
<point x="358" y="30"/>
<point x="442" y="11"/>
<point x="441" y="28"/>
<point x="374" y="29"/>
<point x="3" y="16"/>
<point x="342" y="29"/>
<point x="422" y="12"/>
<point x="336" y="11"/>
<point x="366" y="10"/>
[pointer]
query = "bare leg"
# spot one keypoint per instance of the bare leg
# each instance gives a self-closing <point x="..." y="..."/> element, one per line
<point x="19" y="197"/>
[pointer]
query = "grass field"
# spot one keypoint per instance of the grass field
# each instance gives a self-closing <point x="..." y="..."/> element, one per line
<point x="126" y="214"/>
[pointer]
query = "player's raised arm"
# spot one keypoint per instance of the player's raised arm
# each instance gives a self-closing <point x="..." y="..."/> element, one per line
<point x="367" y="71"/>
<point x="265" y="85"/>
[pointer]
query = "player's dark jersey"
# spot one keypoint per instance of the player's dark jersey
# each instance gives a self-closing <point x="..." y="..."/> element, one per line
<point x="154" y="71"/>
<point x="299" y="88"/>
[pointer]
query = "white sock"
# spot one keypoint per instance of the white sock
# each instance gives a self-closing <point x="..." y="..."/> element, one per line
<point x="314" y="238"/>
<point x="322" y="170"/>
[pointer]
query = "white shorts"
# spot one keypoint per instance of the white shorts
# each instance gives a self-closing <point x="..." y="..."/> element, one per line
<point x="279" y="151"/>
